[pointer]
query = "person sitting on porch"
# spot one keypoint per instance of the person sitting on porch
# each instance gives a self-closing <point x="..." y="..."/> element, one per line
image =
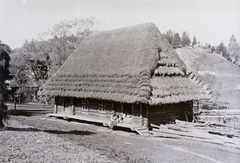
<point x="123" y="118"/>
<point x="128" y="118"/>
<point x="114" y="120"/>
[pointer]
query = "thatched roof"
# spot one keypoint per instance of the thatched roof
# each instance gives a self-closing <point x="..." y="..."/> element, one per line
<point x="133" y="64"/>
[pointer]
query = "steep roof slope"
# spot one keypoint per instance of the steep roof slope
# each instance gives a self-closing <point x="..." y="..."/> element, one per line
<point x="132" y="64"/>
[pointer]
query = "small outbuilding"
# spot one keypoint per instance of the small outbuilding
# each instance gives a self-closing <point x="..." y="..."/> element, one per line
<point x="131" y="72"/>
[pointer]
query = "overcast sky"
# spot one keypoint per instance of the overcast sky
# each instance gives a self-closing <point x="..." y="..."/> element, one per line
<point x="211" y="21"/>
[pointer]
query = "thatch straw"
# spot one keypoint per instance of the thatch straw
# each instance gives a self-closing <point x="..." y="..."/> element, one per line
<point x="124" y="65"/>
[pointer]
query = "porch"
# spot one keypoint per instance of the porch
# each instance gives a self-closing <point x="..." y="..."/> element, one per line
<point x="141" y="130"/>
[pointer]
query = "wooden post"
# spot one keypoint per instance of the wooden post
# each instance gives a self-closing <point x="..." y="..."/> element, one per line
<point x="63" y="104"/>
<point x="132" y="109"/>
<point x="121" y="107"/>
<point x="200" y="107"/>
<point x="72" y="103"/>
<point x="147" y="125"/>
<point x="55" y="109"/>
<point x="15" y="106"/>
<point x="55" y="105"/>
<point x="43" y="109"/>
<point x="141" y="115"/>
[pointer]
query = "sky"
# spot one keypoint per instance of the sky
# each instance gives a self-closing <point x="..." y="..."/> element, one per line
<point x="211" y="21"/>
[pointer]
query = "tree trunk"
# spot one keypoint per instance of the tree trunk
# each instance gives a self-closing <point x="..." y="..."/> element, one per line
<point x="1" y="125"/>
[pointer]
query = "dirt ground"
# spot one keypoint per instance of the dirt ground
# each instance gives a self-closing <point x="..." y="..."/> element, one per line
<point x="43" y="139"/>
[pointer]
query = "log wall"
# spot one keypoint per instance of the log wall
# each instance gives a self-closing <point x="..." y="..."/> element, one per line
<point x="73" y="106"/>
<point x="69" y="106"/>
<point x="117" y="107"/>
<point x="163" y="114"/>
<point x="137" y="115"/>
<point x="143" y="115"/>
<point x="59" y="105"/>
<point x="78" y="106"/>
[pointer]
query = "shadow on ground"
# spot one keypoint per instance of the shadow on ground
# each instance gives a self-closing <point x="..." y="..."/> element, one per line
<point x="72" y="132"/>
<point x="22" y="112"/>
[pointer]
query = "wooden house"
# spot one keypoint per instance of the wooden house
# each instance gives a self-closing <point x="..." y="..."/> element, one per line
<point x="132" y="70"/>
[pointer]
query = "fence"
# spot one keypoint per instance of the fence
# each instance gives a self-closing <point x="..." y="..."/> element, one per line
<point x="219" y="113"/>
<point x="29" y="109"/>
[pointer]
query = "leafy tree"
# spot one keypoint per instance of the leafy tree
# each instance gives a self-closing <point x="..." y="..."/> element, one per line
<point x="76" y="27"/>
<point x="39" y="60"/>
<point x="234" y="50"/>
<point x="169" y="36"/>
<point x="233" y="40"/>
<point x="185" y="39"/>
<point x="221" y="49"/>
<point x="176" y="40"/>
<point x="194" y="42"/>
<point x="33" y="64"/>
<point x="59" y="49"/>
<point x="4" y="74"/>
<point x="236" y="57"/>
<point x="213" y="49"/>
<point x="65" y="37"/>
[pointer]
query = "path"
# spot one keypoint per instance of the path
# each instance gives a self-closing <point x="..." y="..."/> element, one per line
<point x="119" y="146"/>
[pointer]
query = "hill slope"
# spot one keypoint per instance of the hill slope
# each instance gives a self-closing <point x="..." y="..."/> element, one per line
<point x="222" y="75"/>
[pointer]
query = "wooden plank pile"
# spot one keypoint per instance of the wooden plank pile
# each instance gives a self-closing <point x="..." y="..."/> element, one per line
<point x="142" y="130"/>
<point x="211" y="133"/>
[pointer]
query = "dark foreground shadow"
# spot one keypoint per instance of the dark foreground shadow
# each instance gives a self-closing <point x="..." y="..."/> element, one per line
<point x="59" y="132"/>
